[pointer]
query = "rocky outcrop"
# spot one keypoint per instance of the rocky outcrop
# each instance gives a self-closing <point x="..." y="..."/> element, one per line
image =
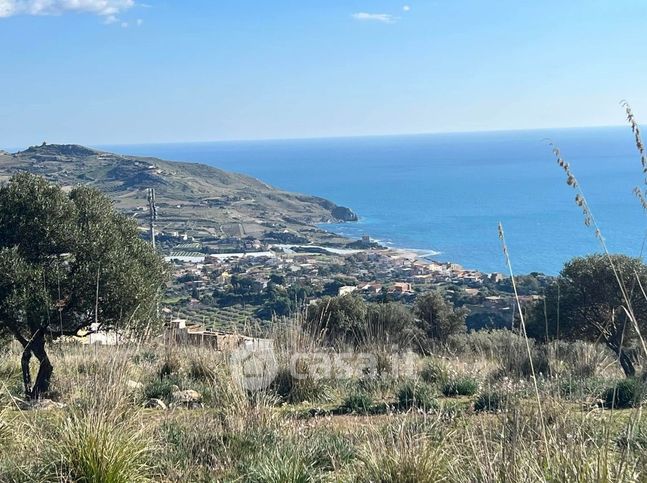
<point x="155" y="403"/>
<point x="187" y="398"/>
<point x="341" y="213"/>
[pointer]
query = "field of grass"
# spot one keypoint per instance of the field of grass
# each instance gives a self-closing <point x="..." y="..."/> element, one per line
<point x="468" y="413"/>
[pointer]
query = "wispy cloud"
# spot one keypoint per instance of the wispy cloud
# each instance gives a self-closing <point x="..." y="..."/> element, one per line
<point x="109" y="9"/>
<point x="374" y="17"/>
<point x="407" y="8"/>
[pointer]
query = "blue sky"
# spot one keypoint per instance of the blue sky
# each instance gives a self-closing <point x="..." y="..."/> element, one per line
<point x="120" y="71"/>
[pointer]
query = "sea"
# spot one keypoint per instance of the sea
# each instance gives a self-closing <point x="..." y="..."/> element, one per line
<point x="443" y="195"/>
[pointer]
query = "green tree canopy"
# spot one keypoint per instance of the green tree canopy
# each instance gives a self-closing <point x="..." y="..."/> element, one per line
<point x="438" y="318"/>
<point x="339" y="319"/>
<point x="391" y="322"/>
<point x="69" y="263"/>
<point x="586" y="303"/>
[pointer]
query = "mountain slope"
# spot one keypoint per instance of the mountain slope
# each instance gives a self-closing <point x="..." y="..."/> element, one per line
<point x="190" y="196"/>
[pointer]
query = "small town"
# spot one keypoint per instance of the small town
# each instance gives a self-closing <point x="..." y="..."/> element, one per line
<point x="233" y="283"/>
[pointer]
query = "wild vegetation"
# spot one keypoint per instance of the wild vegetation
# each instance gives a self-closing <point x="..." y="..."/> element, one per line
<point x="68" y="261"/>
<point x="468" y="414"/>
<point x="349" y="391"/>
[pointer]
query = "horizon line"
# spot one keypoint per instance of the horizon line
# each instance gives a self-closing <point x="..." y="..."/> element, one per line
<point x="324" y="137"/>
<point x="362" y="136"/>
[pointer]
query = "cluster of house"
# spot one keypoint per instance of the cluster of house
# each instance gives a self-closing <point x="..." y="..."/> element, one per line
<point x="413" y="271"/>
<point x="376" y="288"/>
<point x="373" y="273"/>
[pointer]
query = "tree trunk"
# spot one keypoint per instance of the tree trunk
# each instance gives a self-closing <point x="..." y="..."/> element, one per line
<point x="45" y="369"/>
<point x="26" y="374"/>
<point x="36" y="347"/>
<point x="626" y="362"/>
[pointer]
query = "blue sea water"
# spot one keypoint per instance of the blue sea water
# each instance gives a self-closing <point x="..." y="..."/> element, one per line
<point x="445" y="193"/>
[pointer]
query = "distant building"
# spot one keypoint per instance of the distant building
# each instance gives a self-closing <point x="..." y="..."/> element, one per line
<point x="98" y="337"/>
<point x="185" y="257"/>
<point x="372" y="288"/>
<point x="402" y="287"/>
<point x="178" y="323"/>
<point x="193" y="334"/>
<point x="495" y="277"/>
<point x="345" y="290"/>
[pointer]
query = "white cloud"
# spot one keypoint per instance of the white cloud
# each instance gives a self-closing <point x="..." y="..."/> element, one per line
<point x="374" y="17"/>
<point x="105" y="8"/>
<point x="407" y="8"/>
<point x="139" y="22"/>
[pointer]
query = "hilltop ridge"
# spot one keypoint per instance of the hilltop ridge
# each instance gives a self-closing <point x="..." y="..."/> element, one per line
<point x="190" y="196"/>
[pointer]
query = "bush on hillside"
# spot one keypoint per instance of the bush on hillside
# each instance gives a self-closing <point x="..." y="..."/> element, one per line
<point x="462" y="386"/>
<point x="627" y="393"/>
<point x="435" y="372"/>
<point x="296" y="390"/>
<point x="358" y="402"/>
<point x="416" y="395"/>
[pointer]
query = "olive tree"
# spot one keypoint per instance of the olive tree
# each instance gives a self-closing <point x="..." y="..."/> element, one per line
<point x="438" y="318"/>
<point x="340" y="320"/>
<point x="391" y="323"/>
<point x="69" y="264"/>
<point x="586" y="302"/>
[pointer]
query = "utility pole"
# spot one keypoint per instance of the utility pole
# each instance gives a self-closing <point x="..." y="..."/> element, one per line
<point x="152" y="209"/>
<point x="153" y="213"/>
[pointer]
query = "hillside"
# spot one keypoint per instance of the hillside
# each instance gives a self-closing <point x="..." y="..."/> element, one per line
<point x="190" y="196"/>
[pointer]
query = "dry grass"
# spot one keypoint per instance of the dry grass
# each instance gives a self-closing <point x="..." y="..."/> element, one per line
<point x="104" y="434"/>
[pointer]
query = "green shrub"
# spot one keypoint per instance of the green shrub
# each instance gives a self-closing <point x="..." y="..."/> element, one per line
<point x="491" y="401"/>
<point x="160" y="389"/>
<point x="463" y="386"/>
<point x="295" y="390"/>
<point x="194" y="455"/>
<point x="359" y="402"/>
<point x="416" y="395"/>
<point x="627" y="393"/>
<point x="282" y="465"/>
<point x="375" y="384"/>
<point x="403" y="458"/>
<point x="98" y="447"/>
<point x="435" y="372"/>
<point x="330" y="451"/>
